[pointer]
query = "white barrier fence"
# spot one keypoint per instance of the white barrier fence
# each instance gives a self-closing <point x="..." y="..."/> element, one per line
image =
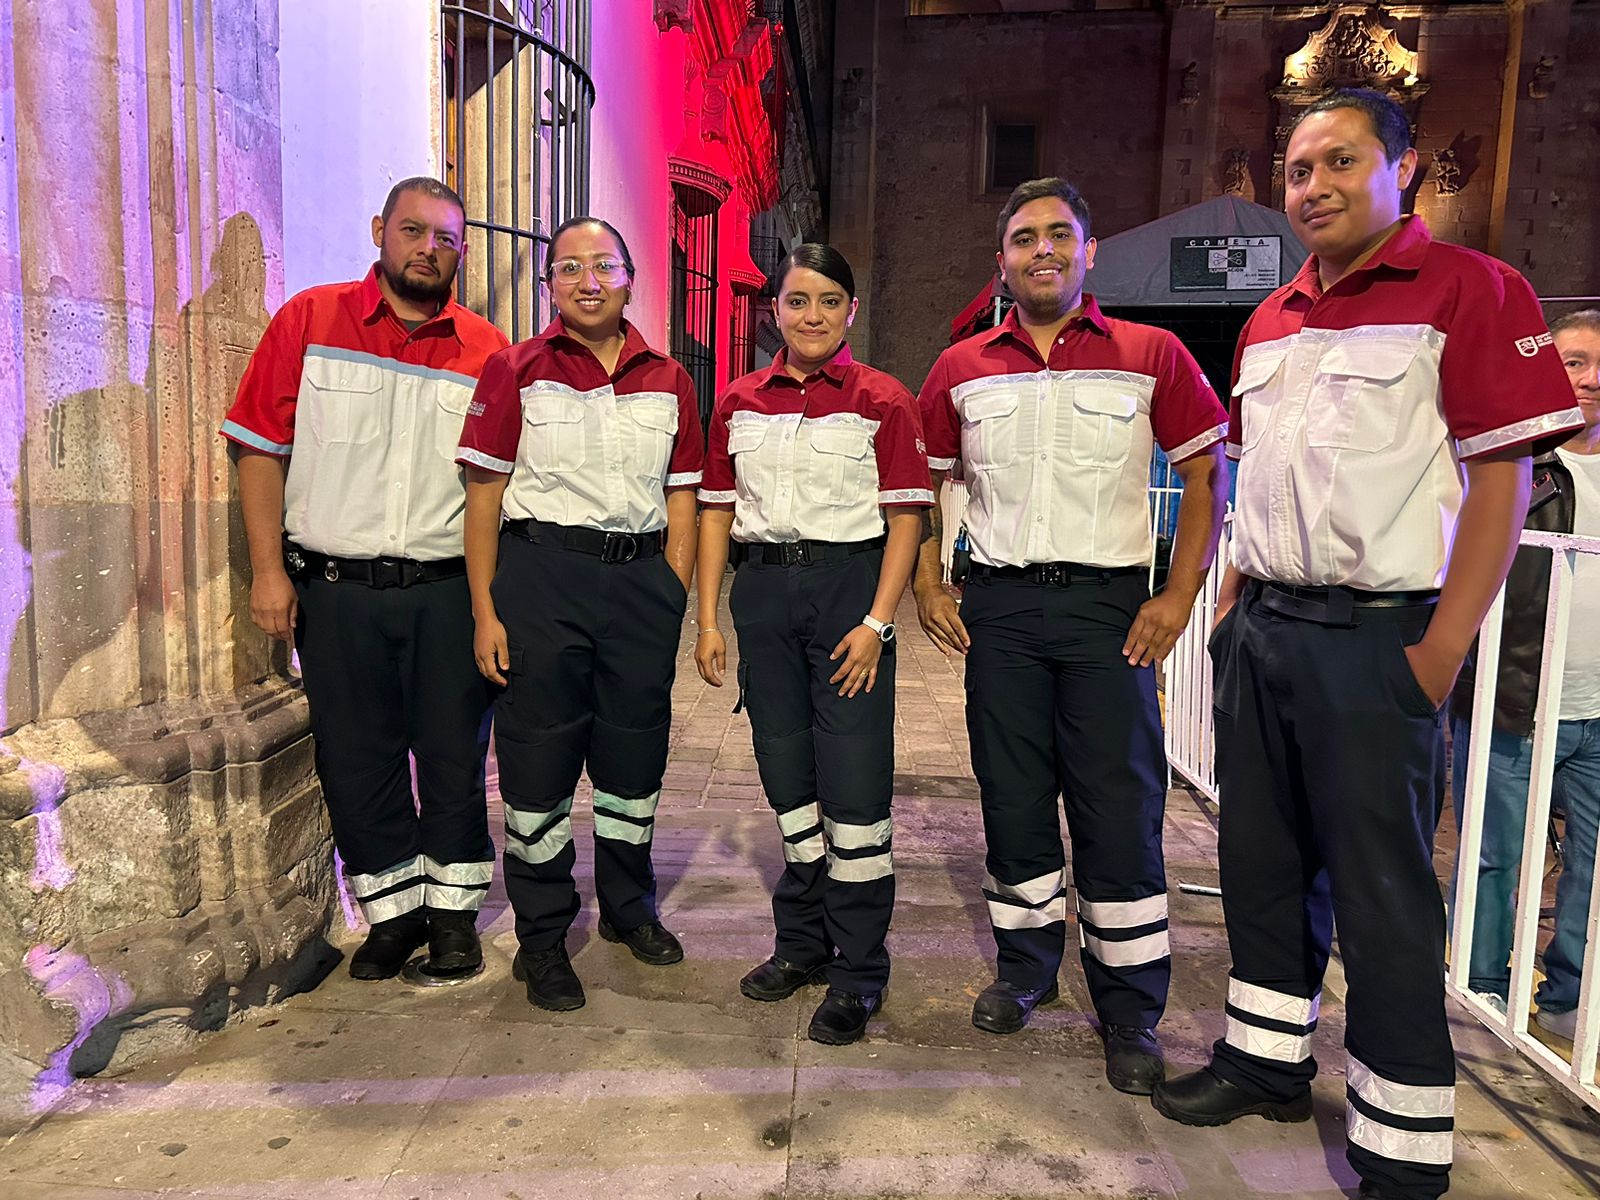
<point x="1511" y="1026"/>
<point x="1191" y="746"/>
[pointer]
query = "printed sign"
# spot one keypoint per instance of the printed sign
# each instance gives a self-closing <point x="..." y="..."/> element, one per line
<point x="1233" y="264"/>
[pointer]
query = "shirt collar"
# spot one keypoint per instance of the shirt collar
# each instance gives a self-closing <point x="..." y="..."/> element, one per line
<point x="1089" y="316"/>
<point x="633" y="343"/>
<point x="834" y="368"/>
<point x="374" y="304"/>
<point x="1404" y="251"/>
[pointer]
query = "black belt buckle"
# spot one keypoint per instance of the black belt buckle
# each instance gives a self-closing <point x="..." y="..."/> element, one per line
<point x="620" y="548"/>
<point x="796" y="554"/>
<point x="388" y="572"/>
<point x="1053" y="573"/>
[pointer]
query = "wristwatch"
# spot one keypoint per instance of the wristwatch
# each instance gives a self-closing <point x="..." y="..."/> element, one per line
<point x="884" y="629"/>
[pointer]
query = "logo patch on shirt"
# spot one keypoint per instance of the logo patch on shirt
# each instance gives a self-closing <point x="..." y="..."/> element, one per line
<point x="475" y="408"/>
<point x="1529" y="346"/>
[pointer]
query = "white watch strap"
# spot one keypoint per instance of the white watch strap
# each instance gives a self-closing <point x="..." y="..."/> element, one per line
<point x="872" y="623"/>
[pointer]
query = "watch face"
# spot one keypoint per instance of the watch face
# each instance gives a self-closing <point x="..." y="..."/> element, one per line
<point x="887" y="632"/>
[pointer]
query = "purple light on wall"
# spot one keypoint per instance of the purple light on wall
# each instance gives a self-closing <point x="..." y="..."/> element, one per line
<point x="352" y="918"/>
<point x="50" y="866"/>
<point x="68" y="978"/>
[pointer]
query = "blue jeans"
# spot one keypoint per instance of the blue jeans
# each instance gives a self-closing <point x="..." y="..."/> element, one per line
<point x="1577" y="788"/>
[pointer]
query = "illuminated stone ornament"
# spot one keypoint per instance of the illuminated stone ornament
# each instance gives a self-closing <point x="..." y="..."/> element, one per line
<point x="674" y="12"/>
<point x="1354" y="49"/>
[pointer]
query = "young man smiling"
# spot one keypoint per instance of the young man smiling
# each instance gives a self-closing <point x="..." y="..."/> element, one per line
<point x="1364" y="390"/>
<point x="1054" y="414"/>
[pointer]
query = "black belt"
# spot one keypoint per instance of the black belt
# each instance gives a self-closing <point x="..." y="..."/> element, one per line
<point x="1334" y="604"/>
<point x="607" y="547"/>
<point x="1061" y="574"/>
<point x="802" y="553"/>
<point x="373" y="572"/>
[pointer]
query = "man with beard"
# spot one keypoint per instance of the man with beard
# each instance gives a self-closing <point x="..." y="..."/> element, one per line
<point x="1053" y="414"/>
<point x="344" y="432"/>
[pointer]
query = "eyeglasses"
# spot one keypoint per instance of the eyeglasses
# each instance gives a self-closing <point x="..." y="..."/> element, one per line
<point x="606" y="270"/>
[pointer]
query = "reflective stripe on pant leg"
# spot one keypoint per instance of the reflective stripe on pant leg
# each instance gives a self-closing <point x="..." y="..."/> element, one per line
<point x="625" y="820"/>
<point x="859" y="853"/>
<point x="801" y="830"/>
<point x="537" y="836"/>
<point x="1398" y="1121"/>
<point x="1272" y="1025"/>
<point x="1031" y="904"/>
<point x="458" y="887"/>
<point x="384" y="895"/>
<point x="1124" y="933"/>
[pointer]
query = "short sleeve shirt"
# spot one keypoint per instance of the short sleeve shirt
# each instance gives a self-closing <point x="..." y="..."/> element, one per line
<point x="814" y="459"/>
<point x="1353" y="409"/>
<point x="368" y="414"/>
<point x="583" y="447"/>
<point x="1057" y="454"/>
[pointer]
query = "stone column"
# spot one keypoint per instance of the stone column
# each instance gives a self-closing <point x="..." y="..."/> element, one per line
<point x="164" y="856"/>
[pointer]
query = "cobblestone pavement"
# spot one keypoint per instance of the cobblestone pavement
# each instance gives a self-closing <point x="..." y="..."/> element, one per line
<point x="670" y="1085"/>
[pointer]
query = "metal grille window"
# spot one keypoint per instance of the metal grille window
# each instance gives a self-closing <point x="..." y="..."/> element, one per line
<point x="742" y="341"/>
<point x="516" y="98"/>
<point x="694" y="289"/>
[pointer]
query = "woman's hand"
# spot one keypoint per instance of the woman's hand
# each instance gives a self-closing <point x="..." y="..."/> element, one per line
<point x="860" y="648"/>
<point x="491" y="651"/>
<point x="711" y="656"/>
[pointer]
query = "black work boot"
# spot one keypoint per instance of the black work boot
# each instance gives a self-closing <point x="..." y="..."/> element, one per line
<point x="1133" y="1059"/>
<point x="1205" y="1098"/>
<point x="1004" y="1007"/>
<point x="551" y="982"/>
<point x="778" y="979"/>
<point x="388" y="947"/>
<point x="453" y="947"/>
<point x="842" y="1016"/>
<point x="650" y="942"/>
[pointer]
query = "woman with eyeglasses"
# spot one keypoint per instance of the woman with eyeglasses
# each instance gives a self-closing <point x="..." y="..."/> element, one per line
<point x="816" y="468"/>
<point x="588" y="444"/>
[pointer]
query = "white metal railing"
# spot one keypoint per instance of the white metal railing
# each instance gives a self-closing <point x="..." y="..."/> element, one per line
<point x="1511" y="1026"/>
<point x="1191" y="746"/>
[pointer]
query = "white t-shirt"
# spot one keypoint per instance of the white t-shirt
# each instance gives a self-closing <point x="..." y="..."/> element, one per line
<point x="1580" y="692"/>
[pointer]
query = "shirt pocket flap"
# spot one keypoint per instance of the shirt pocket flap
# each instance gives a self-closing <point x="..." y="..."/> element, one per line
<point x="1378" y="361"/>
<point x="746" y="436"/>
<point x="1257" y="370"/>
<point x="846" y="440"/>
<point x="1107" y="400"/>
<point x="552" y="410"/>
<point x="653" y="414"/>
<point x="339" y="375"/>
<point x="454" y="398"/>
<point x="984" y="405"/>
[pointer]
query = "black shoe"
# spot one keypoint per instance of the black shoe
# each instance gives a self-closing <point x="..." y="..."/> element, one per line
<point x="453" y="946"/>
<point x="388" y="947"/>
<point x="1202" y="1098"/>
<point x="1004" y="1007"/>
<point x="842" y="1016"/>
<point x="778" y="979"/>
<point x="548" y="975"/>
<point x="1133" y="1059"/>
<point x="1371" y="1191"/>
<point x="650" y="942"/>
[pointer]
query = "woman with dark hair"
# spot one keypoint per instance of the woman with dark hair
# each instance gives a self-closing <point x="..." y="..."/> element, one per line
<point x="816" y="469"/>
<point x="588" y="443"/>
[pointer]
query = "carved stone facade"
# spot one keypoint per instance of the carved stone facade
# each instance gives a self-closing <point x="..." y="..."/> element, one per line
<point x="164" y="856"/>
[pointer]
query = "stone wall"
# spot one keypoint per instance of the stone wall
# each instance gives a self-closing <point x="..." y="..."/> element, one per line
<point x="1152" y="111"/>
<point x="163" y="855"/>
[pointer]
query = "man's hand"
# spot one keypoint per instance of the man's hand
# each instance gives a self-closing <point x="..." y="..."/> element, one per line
<point x="1156" y="628"/>
<point x="860" y="648"/>
<point x="940" y="617"/>
<point x="490" y="650"/>
<point x="1435" y="672"/>
<point x="273" y="604"/>
<point x="711" y="656"/>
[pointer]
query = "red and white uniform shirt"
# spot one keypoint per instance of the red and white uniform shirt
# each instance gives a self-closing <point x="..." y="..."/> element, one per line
<point x="814" y="459"/>
<point x="1354" y="408"/>
<point x="368" y="415"/>
<point x="583" y="447"/>
<point x="1057" y="454"/>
